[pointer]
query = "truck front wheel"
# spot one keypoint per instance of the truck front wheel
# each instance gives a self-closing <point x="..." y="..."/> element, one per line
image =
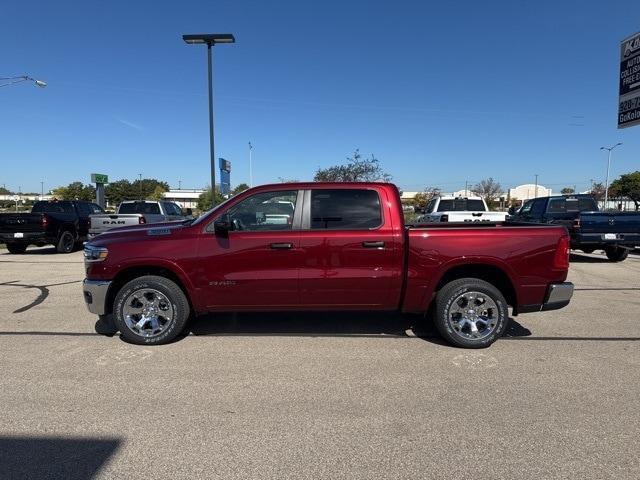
<point x="471" y="313"/>
<point x="616" y="254"/>
<point x="150" y="310"/>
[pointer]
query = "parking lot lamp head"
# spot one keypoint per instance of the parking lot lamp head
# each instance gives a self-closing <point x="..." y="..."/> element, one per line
<point x="210" y="39"/>
<point x="22" y="78"/>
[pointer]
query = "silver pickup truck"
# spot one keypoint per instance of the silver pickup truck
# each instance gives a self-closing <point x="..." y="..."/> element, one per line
<point x="136" y="212"/>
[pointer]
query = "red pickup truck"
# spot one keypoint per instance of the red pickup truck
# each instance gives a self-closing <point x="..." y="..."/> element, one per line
<point x="324" y="246"/>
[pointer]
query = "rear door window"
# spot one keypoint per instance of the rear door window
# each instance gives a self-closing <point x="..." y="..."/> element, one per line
<point x="345" y="209"/>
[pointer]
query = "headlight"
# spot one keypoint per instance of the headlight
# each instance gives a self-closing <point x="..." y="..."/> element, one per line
<point x="95" y="254"/>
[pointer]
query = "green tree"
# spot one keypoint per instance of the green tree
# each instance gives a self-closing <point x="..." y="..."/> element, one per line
<point x="628" y="185"/>
<point x="240" y="188"/>
<point x="204" y="200"/>
<point x="158" y="193"/>
<point x="422" y="199"/>
<point x="567" y="191"/>
<point x="4" y="191"/>
<point x="76" y="191"/>
<point x="121" y="190"/>
<point x="597" y="191"/>
<point x="357" y="169"/>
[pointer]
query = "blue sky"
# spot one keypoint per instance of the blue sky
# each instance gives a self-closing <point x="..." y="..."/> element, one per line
<point x="440" y="92"/>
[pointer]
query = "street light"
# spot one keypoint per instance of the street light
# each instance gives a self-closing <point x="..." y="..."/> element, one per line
<point x="22" y="78"/>
<point x="210" y="39"/>
<point x="606" y="188"/>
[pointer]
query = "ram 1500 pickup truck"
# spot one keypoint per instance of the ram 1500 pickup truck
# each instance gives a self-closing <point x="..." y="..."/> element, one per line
<point x="61" y="223"/>
<point x="614" y="232"/>
<point x="136" y="212"/>
<point x="339" y="246"/>
<point x="460" y="209"/>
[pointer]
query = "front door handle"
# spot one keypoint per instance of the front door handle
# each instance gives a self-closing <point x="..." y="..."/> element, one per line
<point x="373" y="244"/>
<point x="282" y="246"/>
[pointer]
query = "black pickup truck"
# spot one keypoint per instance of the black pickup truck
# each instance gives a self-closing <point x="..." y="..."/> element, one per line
<point x="614" y="232"/>
<point x="61" y="223"/>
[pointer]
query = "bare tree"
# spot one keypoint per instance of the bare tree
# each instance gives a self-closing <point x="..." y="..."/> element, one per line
<point x="358" y="169"/>
<point x="488" y="189"/>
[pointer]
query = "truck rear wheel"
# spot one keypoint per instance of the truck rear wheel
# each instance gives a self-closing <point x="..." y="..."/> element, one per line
<point x="66" y="242"/>
<point x="16" y="248"/>
<point x="150" y="310"/>
<point x="471" y="313"/>
<point x="616" y="254"/>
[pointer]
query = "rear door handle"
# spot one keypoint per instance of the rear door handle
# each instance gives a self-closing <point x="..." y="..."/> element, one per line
<point x="282" y="246"/>
<point x="373" y="244"/>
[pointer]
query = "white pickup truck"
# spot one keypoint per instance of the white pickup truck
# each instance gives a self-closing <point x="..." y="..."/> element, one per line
<point x="136" y="212"/>
<point x="460" y="209"/>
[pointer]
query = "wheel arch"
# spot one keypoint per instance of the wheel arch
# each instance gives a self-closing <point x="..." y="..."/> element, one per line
<point x="492" y="274"/>
<point x="132" y="272"/>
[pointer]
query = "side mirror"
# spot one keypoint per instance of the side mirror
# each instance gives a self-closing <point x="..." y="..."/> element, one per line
<point x="188" y="212"/>
<point x="222" y="225"/>
<point x="512" y="210"/>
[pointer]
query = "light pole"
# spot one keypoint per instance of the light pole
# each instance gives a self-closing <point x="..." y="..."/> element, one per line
<point x="210" y="39"/>
<point x="606" y="187"/>
<point x="41" y="190"/>
<point x="250" y="165"/>
<point x="536" y="191"/>
<point x="22" y="78"/>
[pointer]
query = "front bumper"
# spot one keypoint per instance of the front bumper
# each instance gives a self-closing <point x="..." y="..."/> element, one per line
<point x="95" y="295"/>
<point x="558" y="296"/>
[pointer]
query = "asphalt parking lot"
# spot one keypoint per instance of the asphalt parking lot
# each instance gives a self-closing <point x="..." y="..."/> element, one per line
<point x="317" y="396"/>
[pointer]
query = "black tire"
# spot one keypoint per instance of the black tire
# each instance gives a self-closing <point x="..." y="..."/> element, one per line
<point x="616" y="254"/>
<point x="497" y="318"/>
<point x="16" y="248"/>
<point x="177" y="301"/>
<point x="66" y="242"/>
<point x="588" y="250"/>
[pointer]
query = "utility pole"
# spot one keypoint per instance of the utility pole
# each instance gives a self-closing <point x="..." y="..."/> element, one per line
<point x="41" y="190"/>
<point x="250" y="165"/>
<point x="140" y="176"/>
<point x="466" y="187"/>
<point x="536" y="191"/>
<point x="179" y="184"/>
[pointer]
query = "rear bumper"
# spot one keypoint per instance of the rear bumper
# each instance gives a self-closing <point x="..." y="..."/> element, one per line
<point x="95" y="295"/>
<point x="558" y="296"/>
<point x="27" y="237"/>
<point x="621" y="239"/>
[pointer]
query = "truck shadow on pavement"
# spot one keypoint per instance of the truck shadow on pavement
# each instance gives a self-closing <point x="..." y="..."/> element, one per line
<point x="327" y="324"/>
<point x="54" y="457"/>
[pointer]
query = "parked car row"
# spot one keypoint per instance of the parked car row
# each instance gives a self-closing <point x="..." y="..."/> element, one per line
<point x="67" y="224"/>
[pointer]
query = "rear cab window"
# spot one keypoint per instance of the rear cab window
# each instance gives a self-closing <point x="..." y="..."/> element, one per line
<point x="345" y="209"/>
<point x="461" y="205"/>
<point x="140" y="207"/>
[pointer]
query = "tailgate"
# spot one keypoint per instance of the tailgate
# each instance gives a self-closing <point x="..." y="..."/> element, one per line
<point x="477" y="216"/>
<point x="604" y="222"/>
<point x="21" y="222"/>
<point x="102" y="223"/>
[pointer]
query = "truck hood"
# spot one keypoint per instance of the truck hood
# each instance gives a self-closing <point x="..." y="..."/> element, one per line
<point x="139" y="232"/>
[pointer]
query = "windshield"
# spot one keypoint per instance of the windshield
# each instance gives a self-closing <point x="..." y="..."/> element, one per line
<point x="461" y="205"/>
<point x="208" y="212"/>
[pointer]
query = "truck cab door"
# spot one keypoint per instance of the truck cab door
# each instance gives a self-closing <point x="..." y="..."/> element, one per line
<point x="256" y="264"/>
<point x="352" y="255"/>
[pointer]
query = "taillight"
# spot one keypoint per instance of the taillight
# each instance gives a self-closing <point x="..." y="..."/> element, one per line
<point x="141" y="220"/>
<point x="444" y="218"/>
<point x="45" y="221"/>
<point x="561" y="258"/>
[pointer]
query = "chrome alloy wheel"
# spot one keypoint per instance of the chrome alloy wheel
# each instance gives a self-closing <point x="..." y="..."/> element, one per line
<point x="147" y="312"/>
<point x="473" y="315"/>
